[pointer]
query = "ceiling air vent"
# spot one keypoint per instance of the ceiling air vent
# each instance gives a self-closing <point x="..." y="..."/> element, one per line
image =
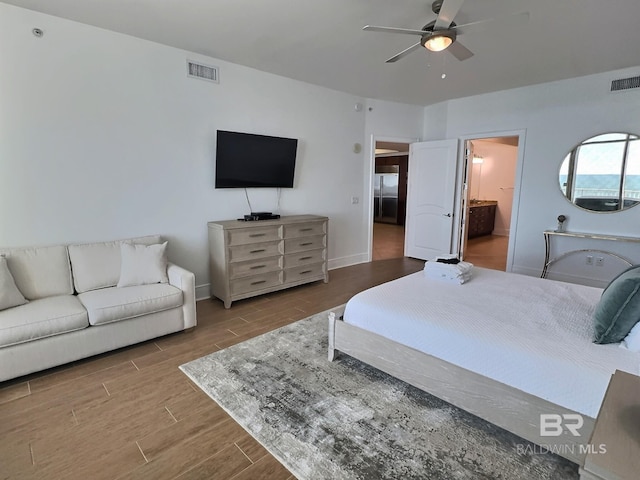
<point x="205" y="72"/>
<point x="624" y="84"/>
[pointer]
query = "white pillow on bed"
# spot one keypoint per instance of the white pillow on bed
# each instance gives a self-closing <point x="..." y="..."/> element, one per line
<point x="632" y="340"/>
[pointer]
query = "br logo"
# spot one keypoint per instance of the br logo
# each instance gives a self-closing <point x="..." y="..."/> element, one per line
<point x="553" y="424"/>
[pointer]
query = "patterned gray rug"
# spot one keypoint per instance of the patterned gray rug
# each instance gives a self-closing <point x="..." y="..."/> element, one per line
<point x="346" y="420"/>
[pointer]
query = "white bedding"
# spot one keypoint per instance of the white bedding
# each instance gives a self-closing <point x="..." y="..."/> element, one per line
<point x="533" y="334"/>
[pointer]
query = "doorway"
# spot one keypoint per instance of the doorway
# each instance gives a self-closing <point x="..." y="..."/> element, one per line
<point x="390" y="170"/>
<point x="488" y="202"/>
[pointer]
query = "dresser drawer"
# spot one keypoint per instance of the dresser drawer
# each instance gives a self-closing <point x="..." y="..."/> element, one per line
<point x="253" y="267"/>
<point x="253" y="251"/>
<point x="255" y="282"/>
<point x="253" y="258"/>
<point x="304" y="258"/>
<point x="301" y="273"/>
<point x="293" y="245"/>
<point x="244" y="236"/>
<point x="304" y="229"/>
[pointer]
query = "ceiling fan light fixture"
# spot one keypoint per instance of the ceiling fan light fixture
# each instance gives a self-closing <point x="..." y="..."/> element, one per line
<point x="438" y="42"/>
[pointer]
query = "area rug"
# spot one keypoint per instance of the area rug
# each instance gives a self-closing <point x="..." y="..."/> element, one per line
<point x="347" y="420"/>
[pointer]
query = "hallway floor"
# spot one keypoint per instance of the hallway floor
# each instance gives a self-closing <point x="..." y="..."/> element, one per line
<point x="488" y="251"/>
<point x="388" y="241"/>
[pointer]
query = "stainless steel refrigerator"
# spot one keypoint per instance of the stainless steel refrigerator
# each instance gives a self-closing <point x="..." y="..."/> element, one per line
<point x="385" y="194"/>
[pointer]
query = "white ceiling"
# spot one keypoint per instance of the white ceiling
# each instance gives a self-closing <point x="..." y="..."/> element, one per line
<point x="322" y="41"/>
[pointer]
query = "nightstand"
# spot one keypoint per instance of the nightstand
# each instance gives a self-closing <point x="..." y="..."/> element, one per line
<point x="614" y="448"/>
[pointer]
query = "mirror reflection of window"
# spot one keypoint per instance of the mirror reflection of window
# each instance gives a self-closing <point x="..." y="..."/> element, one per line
<point x="603" y="173"/>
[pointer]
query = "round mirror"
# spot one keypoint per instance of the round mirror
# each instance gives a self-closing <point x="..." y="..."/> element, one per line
<point x="602" y="174"/>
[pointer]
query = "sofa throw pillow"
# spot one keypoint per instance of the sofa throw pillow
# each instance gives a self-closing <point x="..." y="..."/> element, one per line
<point x="143" y="264"/>
<point x="619" y="307"/>
<point x="10" y="296"/>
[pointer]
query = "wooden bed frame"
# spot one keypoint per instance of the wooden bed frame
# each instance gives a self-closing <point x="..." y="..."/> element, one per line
<point x="507" y="407"/>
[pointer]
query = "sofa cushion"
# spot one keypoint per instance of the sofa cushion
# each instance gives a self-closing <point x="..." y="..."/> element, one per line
<point x="10" y="296"/>
<point x="40" y="271"/>
<point x="143" y="264"/>
<point x="42" y="318"/>
<point x="113" y="304"/>
<point x="97" y="265"/>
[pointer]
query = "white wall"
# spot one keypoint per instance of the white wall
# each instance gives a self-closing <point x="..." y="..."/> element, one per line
<point x="385" y="121"/>
<point x="555" y="116"/>
<point x="103" y="136"/>
<point x="496" y="179"/>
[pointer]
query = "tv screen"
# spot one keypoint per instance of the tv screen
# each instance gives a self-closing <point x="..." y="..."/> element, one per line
<point x="246" y="160"/>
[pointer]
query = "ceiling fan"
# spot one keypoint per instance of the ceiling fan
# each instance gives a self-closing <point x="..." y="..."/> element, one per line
<point x="441" y="33"/>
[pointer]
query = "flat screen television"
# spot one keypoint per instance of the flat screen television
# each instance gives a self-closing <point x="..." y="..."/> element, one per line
<point x="246" y="160"/>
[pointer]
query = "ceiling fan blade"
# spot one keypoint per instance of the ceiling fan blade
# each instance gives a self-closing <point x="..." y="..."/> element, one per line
<point x="448" y="11"/>
<point x="373" y="28"/>
<point x="404" y="53"/>
<point x="515" y="19"/>
<point x="459" y="51"/>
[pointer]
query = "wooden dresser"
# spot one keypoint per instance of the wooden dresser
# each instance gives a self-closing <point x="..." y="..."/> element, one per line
<point x="252" y="258"/>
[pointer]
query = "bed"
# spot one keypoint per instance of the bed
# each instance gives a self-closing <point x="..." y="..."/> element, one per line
<point x="503" y="346"/>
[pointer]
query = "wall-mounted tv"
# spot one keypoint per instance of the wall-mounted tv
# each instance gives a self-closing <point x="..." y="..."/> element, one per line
<point x="246" y="160"/>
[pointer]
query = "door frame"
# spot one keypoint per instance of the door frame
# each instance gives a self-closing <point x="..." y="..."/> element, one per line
<point x="370" y="169"/>
<point x="517" y="183"/>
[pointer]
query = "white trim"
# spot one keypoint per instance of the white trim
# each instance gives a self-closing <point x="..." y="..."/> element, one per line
<point x="348" y="261"/>
<point x="369" y="171"/>
<point x="515" y="206"/>
<point x="202" y="292"/>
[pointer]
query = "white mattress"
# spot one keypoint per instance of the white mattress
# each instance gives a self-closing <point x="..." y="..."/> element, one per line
<point x="530" y="333"/>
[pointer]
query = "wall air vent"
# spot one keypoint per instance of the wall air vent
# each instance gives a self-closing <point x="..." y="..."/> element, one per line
<point x="205" y="72"/>
<point x="624" y="84"/>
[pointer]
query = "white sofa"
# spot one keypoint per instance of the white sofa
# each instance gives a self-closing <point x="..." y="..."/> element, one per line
<point x="74" y="308"/>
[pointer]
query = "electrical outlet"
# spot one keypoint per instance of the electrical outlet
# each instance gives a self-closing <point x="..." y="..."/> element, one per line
<point x="589" y="260"/>
<point x="600" y="261"/>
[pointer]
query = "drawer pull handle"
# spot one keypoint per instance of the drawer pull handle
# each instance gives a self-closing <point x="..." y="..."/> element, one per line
<point x="253" y="235"/>
<point x="305" y="272"/>
<point x="257" y="251"/>
<point x="258" y="282"/>
<point x="257" y="267"/>
<point x="306" y="244"/>
<point x="308" y="257"/>
<point x="306" y="229"/>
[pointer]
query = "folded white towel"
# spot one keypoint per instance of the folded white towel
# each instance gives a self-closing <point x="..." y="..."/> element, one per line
<point x="448" y="277"/>
<point x="457" y="268"/>
<point x="451" y="272"/>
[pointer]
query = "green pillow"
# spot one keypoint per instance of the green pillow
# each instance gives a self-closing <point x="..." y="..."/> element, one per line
<point x="619" y="307"/>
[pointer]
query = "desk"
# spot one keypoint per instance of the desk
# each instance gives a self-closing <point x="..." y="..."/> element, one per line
<point x="548" y="234"/>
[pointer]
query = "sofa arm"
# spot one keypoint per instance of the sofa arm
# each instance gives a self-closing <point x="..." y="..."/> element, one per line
<point x="185" y="281"/>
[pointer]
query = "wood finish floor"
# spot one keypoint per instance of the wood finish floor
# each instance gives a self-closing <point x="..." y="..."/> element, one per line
<point x="488" y="251"/>
<point x="131" y="414"/>
<point x="388" y="241"/>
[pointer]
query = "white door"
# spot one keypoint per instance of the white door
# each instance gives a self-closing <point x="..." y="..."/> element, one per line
<point x="431" y="198"/>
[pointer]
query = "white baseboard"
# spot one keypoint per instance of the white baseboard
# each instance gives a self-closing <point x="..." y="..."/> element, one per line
<point x="347" y="261"/>
<point x="202" y="292"/>
<point x="532" y="272"/>
<point x="562" y="277"/>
